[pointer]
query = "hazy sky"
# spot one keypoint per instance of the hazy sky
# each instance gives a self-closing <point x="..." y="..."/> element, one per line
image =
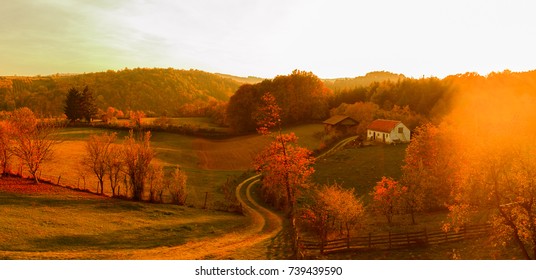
<point x="331" y="38"/>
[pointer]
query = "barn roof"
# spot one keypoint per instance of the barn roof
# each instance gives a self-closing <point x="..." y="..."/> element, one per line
<point x="383" y="125"/>
<point x="337" y="119"/>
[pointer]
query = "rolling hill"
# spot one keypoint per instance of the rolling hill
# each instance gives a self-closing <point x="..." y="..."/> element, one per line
<point x="150" y="90"/>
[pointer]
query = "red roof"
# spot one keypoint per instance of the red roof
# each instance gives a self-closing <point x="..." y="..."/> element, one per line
<point x="383" y="125"/>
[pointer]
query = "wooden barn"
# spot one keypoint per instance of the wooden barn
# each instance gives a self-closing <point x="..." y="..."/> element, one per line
<point x="340" y="123"/>
<point x="388" y="131"/>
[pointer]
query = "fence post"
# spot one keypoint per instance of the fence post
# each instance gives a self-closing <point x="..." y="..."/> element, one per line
<point x="464" y="231"/>
<point x="407" y="238"/>
<point x="370" y="240"/>
<point x="390" y="245"/>
<point x="348" y="241"/>
<point x="59" y="178"/>
<point x="205" y="204"/>
<point x="446" y="236"/>
<point x="425" y="236"/>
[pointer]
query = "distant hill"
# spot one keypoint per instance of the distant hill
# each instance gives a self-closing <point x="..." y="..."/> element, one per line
<point x="361" y="81"/>
<point x="242" y="80"/>
<point x="151" y="90"/>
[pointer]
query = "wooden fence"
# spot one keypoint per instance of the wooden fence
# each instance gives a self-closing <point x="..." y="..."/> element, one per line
<point x="395" y="240"/>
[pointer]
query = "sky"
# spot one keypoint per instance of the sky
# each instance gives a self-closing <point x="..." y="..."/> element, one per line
<point x="331" y="38"/>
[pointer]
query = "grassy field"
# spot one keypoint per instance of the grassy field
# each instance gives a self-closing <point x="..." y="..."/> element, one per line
<point x="207" y="162"/>
<point x="361" y="167"/>
<point x="47" y="218"/>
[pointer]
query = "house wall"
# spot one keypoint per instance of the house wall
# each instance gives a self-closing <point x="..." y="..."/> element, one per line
<point x="378" y="136"/>
<point x="404" y="137"/>
<point x="392" y="136"/>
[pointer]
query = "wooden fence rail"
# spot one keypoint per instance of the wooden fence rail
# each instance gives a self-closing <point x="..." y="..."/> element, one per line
<point x="395" y="240"/>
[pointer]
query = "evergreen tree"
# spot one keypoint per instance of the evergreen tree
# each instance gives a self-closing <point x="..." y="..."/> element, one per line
<point x="89" y="108"/>
<point x="73" y="105"/>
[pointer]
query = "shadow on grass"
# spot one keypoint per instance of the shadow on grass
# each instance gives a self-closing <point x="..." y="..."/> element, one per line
<point x="138" y="238"/>
<point x="95" y="204"/>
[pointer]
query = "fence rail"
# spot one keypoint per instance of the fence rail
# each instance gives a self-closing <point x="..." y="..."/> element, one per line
<point x="396" y="240"/>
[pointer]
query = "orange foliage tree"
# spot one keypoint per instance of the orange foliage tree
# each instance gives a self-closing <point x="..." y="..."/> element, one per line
<point x="388" y="198"/>
<point x="34" y="141"/>
<point x="6" y="133"/>
<point x="428" y="169"/>
<point x="332" y="209"/>
<point x="286" y="167"/>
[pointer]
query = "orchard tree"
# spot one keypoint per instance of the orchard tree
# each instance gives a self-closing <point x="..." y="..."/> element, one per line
<point x="33" y="141"/>
<point x="98" y="149"/>
<point x="388" y="198"/>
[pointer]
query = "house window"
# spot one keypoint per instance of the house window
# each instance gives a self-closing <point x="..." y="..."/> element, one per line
<point x="400" y="130"/>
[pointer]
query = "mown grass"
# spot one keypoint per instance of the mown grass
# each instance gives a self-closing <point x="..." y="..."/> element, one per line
<point x="361" y="167"/>
<point x="68" y="220"/>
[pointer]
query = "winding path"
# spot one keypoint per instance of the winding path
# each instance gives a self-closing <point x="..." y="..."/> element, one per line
<point x="266" y="223"/>
<point x="264" y="237"/>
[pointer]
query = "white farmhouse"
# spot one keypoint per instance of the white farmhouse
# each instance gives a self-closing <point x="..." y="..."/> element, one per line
<point x="388" y="131"/>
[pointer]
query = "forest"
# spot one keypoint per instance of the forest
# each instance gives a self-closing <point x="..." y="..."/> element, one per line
<point x="155" y="91"/>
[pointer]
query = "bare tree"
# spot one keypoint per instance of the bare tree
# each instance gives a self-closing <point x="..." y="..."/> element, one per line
<point x="114" y="166"/>
<point x="98" y="149"/>
<point x="33" y="140"/>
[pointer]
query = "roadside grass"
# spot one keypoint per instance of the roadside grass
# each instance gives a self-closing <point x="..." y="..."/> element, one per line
<point x="59" y="219"/>
<point x="361" y="167"/>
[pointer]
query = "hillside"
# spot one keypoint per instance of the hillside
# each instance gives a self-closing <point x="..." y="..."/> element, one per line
<point x="151" y="90"/>
<point x="361" y="81"/>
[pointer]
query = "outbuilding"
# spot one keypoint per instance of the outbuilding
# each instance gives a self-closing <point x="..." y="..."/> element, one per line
<point x="388" y="131"/>
<point x="340" y="123"/>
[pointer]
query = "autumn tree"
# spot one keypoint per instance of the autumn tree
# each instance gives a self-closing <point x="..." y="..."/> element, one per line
<point x="332" y="209"/>
<point x="155" y="180"/>
<point x="387" y="198"/>
<point x="301" y="96"/>
<point x="33" y="141"/>
<point x="177" y="186"/>
<point x="137" y="156"/>
<point x="98" y="150"/>
<point x="428" y="168"/>
<point x="6" y="134"/>
<point x="286" y="167"/>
